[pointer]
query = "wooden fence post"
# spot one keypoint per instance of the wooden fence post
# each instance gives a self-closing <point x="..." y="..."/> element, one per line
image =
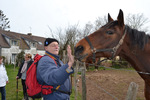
<point x="132" y="91"/>
<point x="64" y="57"/>
<point x="75" y="79"/>
<point x="83" y="83"/>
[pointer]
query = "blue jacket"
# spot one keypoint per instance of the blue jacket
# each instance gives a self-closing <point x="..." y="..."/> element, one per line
<point x="50" y="74"/>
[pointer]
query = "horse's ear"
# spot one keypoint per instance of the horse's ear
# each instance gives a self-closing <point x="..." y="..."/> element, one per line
<point x="120" y="18"/>
<point x="109" y="18"/>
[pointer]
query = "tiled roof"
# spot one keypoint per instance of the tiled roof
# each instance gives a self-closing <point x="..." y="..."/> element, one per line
<point x="3" y="42"/>
<point x="22" y="38"/>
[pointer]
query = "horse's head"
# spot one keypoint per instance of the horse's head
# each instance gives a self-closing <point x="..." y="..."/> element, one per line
<point x="105" y="42"/>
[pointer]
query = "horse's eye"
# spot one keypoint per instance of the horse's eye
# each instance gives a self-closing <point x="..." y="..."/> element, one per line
<point x="109" y="32"/>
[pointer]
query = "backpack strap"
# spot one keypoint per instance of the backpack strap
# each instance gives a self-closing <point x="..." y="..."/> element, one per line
<point x="56" y="65"/>
<point x="53" y="59"/>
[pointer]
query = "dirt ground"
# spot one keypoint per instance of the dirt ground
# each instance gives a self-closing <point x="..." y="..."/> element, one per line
<point x="111" y="84"/>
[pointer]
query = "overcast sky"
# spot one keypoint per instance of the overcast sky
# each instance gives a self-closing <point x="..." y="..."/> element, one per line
<point x="36" y="16"/>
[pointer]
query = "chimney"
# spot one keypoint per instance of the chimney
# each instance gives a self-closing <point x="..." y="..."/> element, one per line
<point x="29" y="34"/>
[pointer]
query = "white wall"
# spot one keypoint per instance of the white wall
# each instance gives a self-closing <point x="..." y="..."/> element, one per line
<point x="7" y="52"/>
<point x="41" y="52"/>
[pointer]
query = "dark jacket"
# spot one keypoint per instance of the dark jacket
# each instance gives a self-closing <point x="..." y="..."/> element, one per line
<point x="29" y="64"/>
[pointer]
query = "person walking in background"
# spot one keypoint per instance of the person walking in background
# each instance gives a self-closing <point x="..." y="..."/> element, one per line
<point x="22" y="73"/>
<point x="51" y="71"/>
<point x="3" y="79"/>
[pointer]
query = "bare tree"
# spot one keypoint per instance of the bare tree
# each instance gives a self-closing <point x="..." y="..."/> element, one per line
<point x="66" y="36"/>
<point x="137" y="21"/>
<point x="86" y="30"/>
<point x="100" y="21"/>
<point x="4" y="23"/>
<point x="71" y="36"/>
<point x="90" y="27"/>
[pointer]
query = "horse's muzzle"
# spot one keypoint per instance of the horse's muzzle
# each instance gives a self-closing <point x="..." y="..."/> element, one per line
<point x="78" y="53"/>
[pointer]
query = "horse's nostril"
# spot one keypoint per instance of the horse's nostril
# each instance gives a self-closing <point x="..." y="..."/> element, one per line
<point x="79" y="50"/>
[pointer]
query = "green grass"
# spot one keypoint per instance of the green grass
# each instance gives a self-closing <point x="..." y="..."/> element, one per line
<point x="72" y="96"/>
<point x="11" y="91"/>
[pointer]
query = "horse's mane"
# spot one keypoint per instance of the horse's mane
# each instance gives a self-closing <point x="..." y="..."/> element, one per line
<point x="137" y="37"/>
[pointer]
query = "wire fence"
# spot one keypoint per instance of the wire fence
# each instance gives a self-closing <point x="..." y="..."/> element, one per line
<point x="131" y="95"/>
<point x="140" y="72"/>
<point x="80" y="67"/>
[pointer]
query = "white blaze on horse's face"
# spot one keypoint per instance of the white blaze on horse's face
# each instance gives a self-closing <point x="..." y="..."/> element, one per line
<point x="102" y="41"/>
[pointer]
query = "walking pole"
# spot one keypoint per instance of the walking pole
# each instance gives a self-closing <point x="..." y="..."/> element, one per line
<point x="17" y="90"/>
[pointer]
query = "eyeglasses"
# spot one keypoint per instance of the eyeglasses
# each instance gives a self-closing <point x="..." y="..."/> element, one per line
<point x="53" y="45"/>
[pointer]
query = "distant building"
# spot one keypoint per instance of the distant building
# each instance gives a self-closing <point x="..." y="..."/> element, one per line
<point x="12" y="43"/>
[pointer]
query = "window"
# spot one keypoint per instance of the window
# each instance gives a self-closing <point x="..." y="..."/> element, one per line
<point x="14" y="43"/>
<point x="13" y="59"/>
<point x="33" y="44"/>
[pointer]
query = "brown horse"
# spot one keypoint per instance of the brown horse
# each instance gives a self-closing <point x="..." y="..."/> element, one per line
<point x="116" y="38"/>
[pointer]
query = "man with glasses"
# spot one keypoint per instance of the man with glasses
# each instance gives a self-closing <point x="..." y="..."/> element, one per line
<point x="51" y="71"/>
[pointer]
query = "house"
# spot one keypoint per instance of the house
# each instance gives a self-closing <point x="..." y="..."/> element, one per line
<point x="12" y="43"/>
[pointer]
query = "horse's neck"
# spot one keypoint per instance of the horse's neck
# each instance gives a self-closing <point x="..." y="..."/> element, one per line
<point x="138" y="58"/>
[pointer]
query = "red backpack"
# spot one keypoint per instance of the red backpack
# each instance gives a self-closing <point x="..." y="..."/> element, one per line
<point x="34" y="89"/>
